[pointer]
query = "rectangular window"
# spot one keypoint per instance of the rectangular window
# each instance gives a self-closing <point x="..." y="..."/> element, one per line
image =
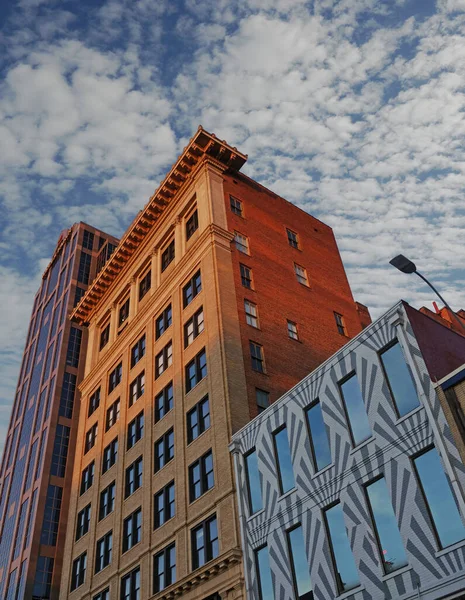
<point x="205" y="545"/>
<point x="137" y="351"/>
<point x="112" y="414"/>
<point x="43" y="578"/>
<point x="78" y="574"/>
<point x="390" y="544"/>
<point x="164" y="359"/>
<point x="132" y="530"/>
<point x="103" y="551"/>
<point x="167" y="256"/>
<point x="319" y="441"/>
<point x="133" y="477"/>
<point x="164" y="568"/>
<point x="252" y="475"/>
<point x="193" y="327"/>
<point x="292" y="330"/>
<point x="399" y="379"/>
<point x="439" y="498"/>
<point x="135" y="430"/>
<point x="78" y="295"/>
<point x="263" y="399"/>
<point x="251" y="313"/>
<point x="164" y="450"/>
<point x="115" y="377"/>
<point x="123" y="312"/>
<point x="107" y="501"/>
<point x="264" y="581"/>
<point x="130" y="585"/>
<point x="301" y="274"/>
<point x="164" y="402"/>
<point x="340" y="324"/>
<point x="83" y="522"/>
<point x="198" y="419"/>
<point x="256" y="355"/>
<point x="196" y="370"/>
<point x="60" y="451"/>
<point x="87" y="477"/>
<point x="88" y="240"/>
<point x="242" y="242"/>
<point x="292" y="238"/>
<point x="299" y="564"/>
<point x="91" y="438"/>
<point x="192" y="224"/>
<point x="94" y="402"/>
<point x="110" y="454"/>
<point x="136" y="389"/>
<point x="74" y="347"/>
<point x="201" y="477"/>
<point x="163" y="321"/>
<point x="246" y="277"/>
<point x="236" y="206"/>
<point x="163" y="505"/>
<point x="103" y="595"/>
<point x="343" y="561"/>
<point x="144" y="284"/>
<point x="84" y="268"/>
<point x="283" y="460"/>
<point x="68" y="390"/>
<point x="48" y="536"/>
<point x="352" y="400"/>
<point x="191" y="289"/>
<point x="104" y="336"/>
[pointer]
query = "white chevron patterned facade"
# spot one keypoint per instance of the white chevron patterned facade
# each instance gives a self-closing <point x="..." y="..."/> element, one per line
<point x="431" y="570"/>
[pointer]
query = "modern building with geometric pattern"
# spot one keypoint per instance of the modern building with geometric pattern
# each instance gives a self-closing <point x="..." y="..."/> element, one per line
<point x="351" y="485"/>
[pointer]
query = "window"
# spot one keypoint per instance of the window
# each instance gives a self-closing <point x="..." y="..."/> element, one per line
<point x="103" y="552"/>
<point x="299" y="564"/>
<point x="123" y="312"/>
<point x="167" y="256"/>
<point x="88" y="240"/>
<point x="164" y="450"/>
<point x="60" y="451"/>
<point x="133" y="477"/>
<point x="132" y="530"/>
<point x="104" y="336"/>
<point x="87" y="477"/>
<point x="78" y="295"/>
<point x="137" y="351"/>
<point x="83" y="522"/>
<point x="115" y="377"/>
<point x="399" y="379"/>
<point x="193" y="327"/>
<point x="145" y="284"/>
<point x="68" y="390"/>
<point x="292" y="330"/>
<point x="254" y="488"/>
<point x="163" y="505"/>
<point x="318" y="437"/>
<point x="94" y="402"/>
<point x="130" y="585"/>
<point x="256" y="354"/>
<point x="251" y="313"/>
<point x="263" y="399"/>
<point x="78" y="574"/>
<point x="242" y="242"/>
<point x="204" y="542"/>
<point x="191" y="289"/>
<point x="91" y="437"/>
<point x="283" y="460"/>
<point x="340" y="324"/>
<point x="112" y="414"/>
<point x="74" y="347"/>
<point x="107" y="501"/>
<point x="264" y="581"/>
<point x="198" y="420"/>
<point x="201" y="477"/>
<point x="246" y="277"/>
<point x="103" y="595"/>
<point x="439" y="498"/>
<point x="343" y="561"/>
<point x="164" y="359"/>
<point x="43" y="578"/>
<point x="84" y="268"/>
<point x="110" y="454"/>
<point x="196" y="370"/>
<point x="136" y="389"/>
<point x="164" y="568"/>
<point x="135" y="430"/>
<point x="359" y="426"/>
<point x="192" y="224"/>
<point x="51" y="520"/>
<point x="236" y="206"/>
<point x="163" y="321"/>
<point x="292" y="238"/>
<point x="390" y="544"/>
<point x="164" y="402"/>
<point x="301" y="274"/>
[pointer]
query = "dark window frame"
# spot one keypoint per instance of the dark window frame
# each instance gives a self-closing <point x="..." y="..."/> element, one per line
<point x="307" y="409"/>
<point x="138" y="350"/>
<point x="145" y="284"/>
<point x="103" y="560"/>
<point x="163" y="321"/>
<point x="246" y="276"/>
<point x="198" y="377"/>
<point x="87" y="473"/>
<point x="136" y="388"/>
<point x="128" y="540"/>
<point x="168" y="255"/>
<point x="192" y="288"/>
<point x="277" y="461"/>
<point x="203" y="481"/>
<point x="164" y="494"/>
<point x="108" y="493"/>
<point x="167" y="400"/>
<point x="112" y="449"/>
<point x="78" y="572"/>
<point x="94" y="402"/>
<point x="255" y="360"/>
<point x="208" y="550"/>
<point x="123" y="312"/>
<point x="200" y="419"/>
<point x="112" y="414"/>
<point x="104" y="336"/>
<point x="198" y="326"/>
<point x="340" y="383"/>
<point x="236" y="206"/>
<point x="165" y="553"/>
<point x="138" y="423"/>
<point x="293" y="238"/>
<point x="192" y="224"/>
<point x="115" y="377"/>
<point x="138" y="467"/>
<point x="164" y="442"/>
<point x="340" y="323"/>
<point x="83" y="528"/>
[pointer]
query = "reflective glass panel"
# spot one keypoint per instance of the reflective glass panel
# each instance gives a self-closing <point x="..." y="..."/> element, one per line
<point x="344" y="564"/>
<point x="284" y="461"/>
<point x="356" y="411"/>
<point x="318" y="437"/>
<point x="400" y="380"/>
<point x="265" y="582"/>
<point x="300" y="562"/>
<point x="253" y="482"/>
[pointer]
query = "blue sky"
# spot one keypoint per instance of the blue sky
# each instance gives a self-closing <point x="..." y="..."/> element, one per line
<point x="352" y="109"/>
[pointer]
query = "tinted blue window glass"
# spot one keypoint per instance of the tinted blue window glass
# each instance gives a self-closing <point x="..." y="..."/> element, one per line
<point x="345" y="569"/>
<point x="400" y="380"/>
<point x="440" y="498"/>
<point x="319" y="437"/>
<point x="265" y="582"/>
<point x="300" y="562"/>
<point x="253" y="482"/>
<point x="284" y="461"/>
<point x="358" y="420"/>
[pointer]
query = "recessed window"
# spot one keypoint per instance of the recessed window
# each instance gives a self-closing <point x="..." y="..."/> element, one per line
<point x="264" y="581"/>
<point x="84" y="268"/>
<point x="115" y="377"/>
<point x="343" y="560"/>
<point x="163" y="505"/>
<point x="242" y="242"/>
<point x="123" y="313"/>
<point x="292" y="330"/>
<point x="110" y="454"/>
<point x="292" y="238"/>
<point x="94" y="402"/>
<point x="236" y="206"/>
<point x="318" y="437"/>
<point x="104" y="336"/>
<point x="164" y="568"/>
<point x="133" y="477"/>
<point x="254" y="488"/>
<point x="301" y="274"/>
<point x="283" y="460"/>
<point x="136" y="389"/>
<point x="163" y="450"/>
<point x="251" y="313"/>
<point x="130" y="585"/>
<point x="164" y="402"/>
<point x="246" y="277"/>
<point x="198" y="419"/>
<point x="78" y="295"/>
<point x="167" y="256"/>
<point x="299" y="564"/>
<point x="49" y="533"/>
<point x="135" y="430"/>
<point x="83" y="522"/>
<point x="163" y="360"/>
<point x="88" y="240"/>
<point x="192" y="224"/>
<point x="196" y="370"/>
<point x="112" y="414"/>
<point x="340" y="324"/>
<point x="191" y="289"/>
<point x="256" y="356"/>
<point x="359" y="426"/>
<point x="145" y="284"/>
<point x="137" y="351"/>
<point x="87" y="477"/>
<point x="91" y="437"/>
<point x="399" y="379"/>
<point x="107" y="501"/>
<point x="193" y="327"/>
<point x="103" y="551"/>
<point x="132" y="530"/>
<point x="78" y="573"/>
<point x="74" y="347"/>
<point x="201" y="477"/>
<point x="163" y="321"/>
<point x="205" y="545"/>
<point x="104" y="594"/>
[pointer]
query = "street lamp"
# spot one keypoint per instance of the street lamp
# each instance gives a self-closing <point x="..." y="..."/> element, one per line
<point x="402" y="263"/>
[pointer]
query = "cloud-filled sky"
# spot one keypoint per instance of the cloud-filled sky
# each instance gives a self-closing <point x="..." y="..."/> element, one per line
<point x="351" y="109"/>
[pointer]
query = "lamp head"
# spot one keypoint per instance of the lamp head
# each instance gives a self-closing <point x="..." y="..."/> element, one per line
<point x="402" y="263"/>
